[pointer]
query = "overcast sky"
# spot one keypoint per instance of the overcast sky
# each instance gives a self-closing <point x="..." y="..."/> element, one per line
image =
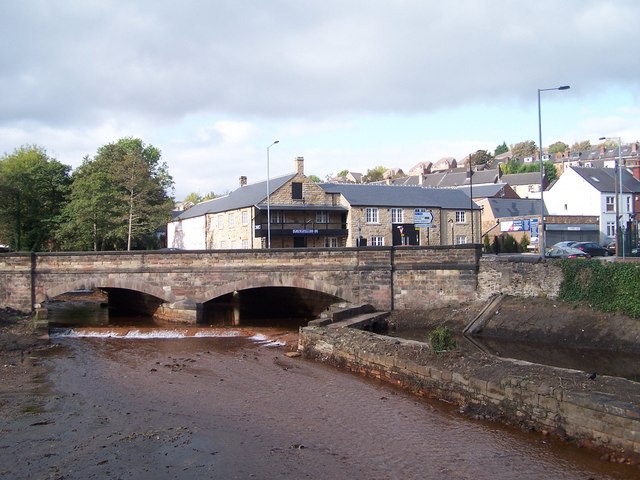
<point x="345" y="84"/>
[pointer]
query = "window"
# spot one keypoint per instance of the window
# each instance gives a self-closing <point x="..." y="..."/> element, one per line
<point x="461" y="239"/>
<point x="611" y="229"/>
<point x="245" y="244"/>
<point x="609" y="204"/>
<point x="628" y="204"/>
<point x="277" y="216"/>
<point x="331" y="242"/>
<point x="461" y="216"/>
<point x="322" y="216"/>
<point x="231" y="219"/>
<point x="223" y="244"/>
<point x="245" y="218"/>
<point x="372" y="215"/>
<point x="220" y="221"/>
<point x="296" y="191"/>
<point x="397" y="215"/>
<point x="377" y="241"/>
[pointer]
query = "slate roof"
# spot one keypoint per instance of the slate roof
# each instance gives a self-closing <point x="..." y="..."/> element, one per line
<point x="528" y="178"/>
<point x="492" y="190"/>
<point x="370" y="195"/>
<point x="514" y="207"/>
<point x="602" y="179"/>
<point x="243" y="197"/>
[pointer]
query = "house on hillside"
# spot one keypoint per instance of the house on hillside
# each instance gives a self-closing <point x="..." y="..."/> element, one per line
<point x="489" y="190"/>
<point x="526" y="185"/>
<point x="582" y="191"/>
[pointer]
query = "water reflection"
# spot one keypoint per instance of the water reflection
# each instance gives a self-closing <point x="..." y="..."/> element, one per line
<point x="604" y="362"/>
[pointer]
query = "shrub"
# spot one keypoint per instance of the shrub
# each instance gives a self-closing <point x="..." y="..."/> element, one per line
<point x="608" y="287"/>
<point x="442" y="340"/>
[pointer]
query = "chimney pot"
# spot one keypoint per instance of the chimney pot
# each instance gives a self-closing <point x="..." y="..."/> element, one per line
<point x="243" y="181"/>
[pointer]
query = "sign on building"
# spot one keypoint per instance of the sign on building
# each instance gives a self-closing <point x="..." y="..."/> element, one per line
<point x="422" y="218"/>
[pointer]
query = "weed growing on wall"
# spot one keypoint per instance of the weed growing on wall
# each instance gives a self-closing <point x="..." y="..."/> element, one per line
<point x="442" y="340"/>
<point x="609" y="287"/>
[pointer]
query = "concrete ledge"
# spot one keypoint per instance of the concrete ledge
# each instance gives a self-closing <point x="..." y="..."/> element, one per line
<point x="598" y="418"/>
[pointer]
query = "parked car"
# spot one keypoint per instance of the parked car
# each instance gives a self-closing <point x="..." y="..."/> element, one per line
<point x="567" y="252"/>
<point x="591" y="248"/>
<point x="566" y="243"/>
<point x="610" y="247"/>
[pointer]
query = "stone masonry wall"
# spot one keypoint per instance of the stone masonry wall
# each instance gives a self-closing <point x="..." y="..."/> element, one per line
<point x="602" y="419"/>
<point x="518" y="275"/>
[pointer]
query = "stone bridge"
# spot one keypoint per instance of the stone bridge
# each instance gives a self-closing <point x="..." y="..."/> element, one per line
<point x="178" y="286"/>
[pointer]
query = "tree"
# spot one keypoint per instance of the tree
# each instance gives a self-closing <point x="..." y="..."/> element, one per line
<point x="481" y="157"/>
<point x="134" y="188"/>
<point x="524" y="149"/>
<point x="33" y="190"/>
<point x="343" y="173"/>
<point x="500" y="149"/>
<point x="558" y="147"/>
<point x="315" y="179"/>
<point x="375" y="174"/>
<point x="581" y="146"/>
<point x="196" y="198"/>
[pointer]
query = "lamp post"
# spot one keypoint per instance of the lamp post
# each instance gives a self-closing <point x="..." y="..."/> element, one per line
<point x="542" y="238"/>
<point x="269" y="198"/>
<point x="617" y="182"/>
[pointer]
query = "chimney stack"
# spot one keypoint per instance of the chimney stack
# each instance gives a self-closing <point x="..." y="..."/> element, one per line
<point x="300" y="165"/>
<point x="243" y="181"/>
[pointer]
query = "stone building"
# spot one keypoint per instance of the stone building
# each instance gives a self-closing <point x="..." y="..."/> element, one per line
<point x="304" y="214"/>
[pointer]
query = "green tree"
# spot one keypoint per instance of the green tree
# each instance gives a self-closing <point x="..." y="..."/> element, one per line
<point x="33" y="190"/>
<point x="91" y="216"/>
<point x="481" y="157"/>
<point x="375" y="174"/>
<point x="524" y="149"/>
<point x="343" y="173"/>
<point x="315" y="179"/>
<point x="581" y="146"/>
<point x="500" y="149"/>
<point x="558" y="147"/>
<point x="120" y="198"/>
<point x="196" y="198"/>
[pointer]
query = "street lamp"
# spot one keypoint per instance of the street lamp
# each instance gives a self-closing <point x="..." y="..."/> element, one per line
<point x="269" y="198"/>
<point x="617" y="172"/>
<point x="542" y="238"/>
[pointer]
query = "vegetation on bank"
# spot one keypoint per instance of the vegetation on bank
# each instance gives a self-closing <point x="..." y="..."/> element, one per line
<point x="606" y="286"/>
<point x="442" y="340"/>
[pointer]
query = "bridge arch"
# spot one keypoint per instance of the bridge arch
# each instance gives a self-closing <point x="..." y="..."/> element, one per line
<point x="49" y="291"/>
<point x="279" y="280"/>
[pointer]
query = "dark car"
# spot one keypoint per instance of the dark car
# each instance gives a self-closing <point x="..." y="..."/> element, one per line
<point x="611" y="247"/>
<point x="566" y="243"/>
<point x="567" y="252"/>
<point x="591" y="248"/>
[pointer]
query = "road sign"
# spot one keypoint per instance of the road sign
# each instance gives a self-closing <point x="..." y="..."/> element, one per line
<point x="423" y="218"/>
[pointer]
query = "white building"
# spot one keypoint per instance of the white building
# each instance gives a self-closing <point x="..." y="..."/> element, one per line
<point x="592" y="192"/>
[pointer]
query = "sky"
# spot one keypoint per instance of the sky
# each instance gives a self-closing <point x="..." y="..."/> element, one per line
<point x="346" y="84"/>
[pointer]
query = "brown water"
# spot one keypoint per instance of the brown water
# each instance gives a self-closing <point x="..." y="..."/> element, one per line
<point x="128" y="406"/>
<point x="231" y="408"/>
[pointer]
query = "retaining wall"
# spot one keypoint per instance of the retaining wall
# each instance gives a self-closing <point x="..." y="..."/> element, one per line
<point x="602" y="418"/>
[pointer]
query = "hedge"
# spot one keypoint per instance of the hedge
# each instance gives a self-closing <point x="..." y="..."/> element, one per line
<point x="605" y="286"/>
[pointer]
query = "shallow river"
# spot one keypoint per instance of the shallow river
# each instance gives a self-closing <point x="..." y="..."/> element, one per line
<point x="235" y="407"/>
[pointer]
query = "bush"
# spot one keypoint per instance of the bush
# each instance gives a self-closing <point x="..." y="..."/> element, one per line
<point x="442" y="340"/>
<point x="608" y="287"/>
<point x="524" y="242"/>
